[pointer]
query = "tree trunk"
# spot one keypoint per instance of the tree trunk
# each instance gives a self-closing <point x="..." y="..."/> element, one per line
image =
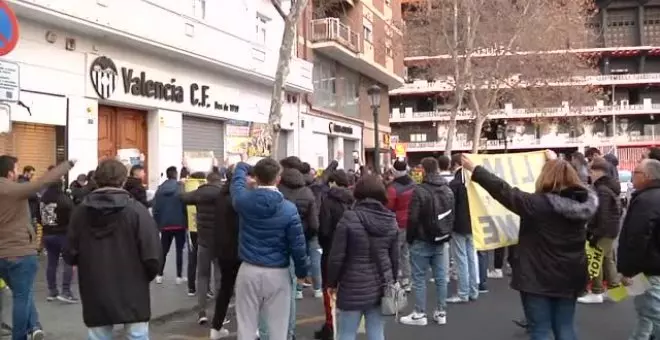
<point x="272" y="132"/>
<point x="476" y="134"/>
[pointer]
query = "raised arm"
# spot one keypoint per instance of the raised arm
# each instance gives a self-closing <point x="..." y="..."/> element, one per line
<point x="297" y="244"/>
<point x="27" y="189"/>
<point x="238" y="186"/>
<point x="514" y="199"/>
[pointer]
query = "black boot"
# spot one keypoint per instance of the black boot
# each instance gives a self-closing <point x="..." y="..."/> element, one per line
<point x="325" y="333"/>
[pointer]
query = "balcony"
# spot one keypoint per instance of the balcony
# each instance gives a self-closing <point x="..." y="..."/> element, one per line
<point x="647" y="107"/>
<point x="425" y="86"/>
<point x="338" y="41"/>
<point x="169" y="32"/>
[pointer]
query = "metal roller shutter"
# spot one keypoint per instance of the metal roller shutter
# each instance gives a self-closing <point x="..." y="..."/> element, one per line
<point x="35" y="145"/>
<point x="204" y="135"/>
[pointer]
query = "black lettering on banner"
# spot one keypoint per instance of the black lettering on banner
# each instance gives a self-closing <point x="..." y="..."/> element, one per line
<point x="494" y="226"/>
<point x="529" y="176"/>
<point x="497" y="168"/>
<point x="512" y="171"/>
<point x="490" y="232"/>
<point x="509" y="226"/>
<point x="594" y="261"/>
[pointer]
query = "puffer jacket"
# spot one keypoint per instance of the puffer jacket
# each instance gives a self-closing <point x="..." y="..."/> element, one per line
<point x="168" y="208"/>
<point x="270" y="231"/>
<point x="333" y="204"/>
<point x="135" y="187"/>
<point x="550" y="258"/>
<point x="292" y="186"/>
<point x="364" y="235"/>
<point x="608" y="216"/>
<point x="206" y="199"/>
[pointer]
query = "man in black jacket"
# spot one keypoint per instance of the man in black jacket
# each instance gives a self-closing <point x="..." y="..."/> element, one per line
<point x="603" y="228"/>
<point x="639" y="246"/>
<point x="206" y="199"/>
<point x="134" y="185"/>
<point x="114" y="242"/>
<point x="430" y="222"/>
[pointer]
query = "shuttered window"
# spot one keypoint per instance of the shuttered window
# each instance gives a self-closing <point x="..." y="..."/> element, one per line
<point x="204" y="135"/>
<point x="35" y="145"/>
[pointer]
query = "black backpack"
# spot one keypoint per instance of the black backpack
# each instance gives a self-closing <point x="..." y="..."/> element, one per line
<point x="438" y="230"/>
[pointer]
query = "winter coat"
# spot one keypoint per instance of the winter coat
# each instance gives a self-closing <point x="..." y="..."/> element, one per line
<point x="292" y="186"/>
<point x="462" y="222"/>
<point x="168" y="208"/>
<point x="114" y="242"/>
<point x="399" y="195"/>
<point x="55" y="210"/>
<point x="270" y="230"/>
<point x="550" y="259"/>
<point x="135" y="187"/>
<point x="33" y="200"/>
<point x="607" y="219"/>
<point x="422" y="212"/>
<point x="226" y="232"/>
<point x="612" y="170"/>
<point x="206" y="199"/>
<point x="364" y="235"/>
<point x="76" y="190"/>
<point x="333" y="204"/>
<point x="639" y="242"/>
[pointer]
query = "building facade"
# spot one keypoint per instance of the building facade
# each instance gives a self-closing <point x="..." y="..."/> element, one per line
<point x="353" y="46"/>
<point x="627" y="51"/>
<point x="99" y="82"/>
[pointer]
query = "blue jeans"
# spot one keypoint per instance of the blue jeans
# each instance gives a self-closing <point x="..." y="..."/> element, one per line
<point x="19" y="274"/>
<point x="549" y="315"/>
<point x="314" y="251"/>
<point x="462" y="248"/>
<point x="54" y="245"/>
<point x="263" y="327"/>
<point x="348" y="322"/>
<point x="647" y="307"/>
<point x="482" y="258"/>
<point x="422" y="256"/>
<point x="134" y="331"/>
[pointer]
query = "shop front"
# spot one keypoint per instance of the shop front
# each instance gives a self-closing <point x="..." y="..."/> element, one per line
<point x="323" y="140"/>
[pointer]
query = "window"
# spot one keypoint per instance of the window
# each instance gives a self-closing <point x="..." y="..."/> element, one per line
<point x="367" y="33"/>
<point x="199" y="9"/>
<point x="262" y="25"/>
<point x="325" y="87"/>
<point x="418" y="137"/>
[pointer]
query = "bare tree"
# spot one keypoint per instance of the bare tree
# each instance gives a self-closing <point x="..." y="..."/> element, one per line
<point x="270" y="135"/>
<point x="490" y="52"/>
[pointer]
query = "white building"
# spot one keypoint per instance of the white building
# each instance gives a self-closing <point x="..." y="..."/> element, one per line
<point x="163" y="77"/>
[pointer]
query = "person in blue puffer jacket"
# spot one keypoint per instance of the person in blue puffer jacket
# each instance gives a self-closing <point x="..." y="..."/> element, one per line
<point x="270" y="234"/>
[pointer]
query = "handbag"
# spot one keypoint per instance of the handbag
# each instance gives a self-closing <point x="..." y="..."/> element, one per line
<point x="394" y="297"/>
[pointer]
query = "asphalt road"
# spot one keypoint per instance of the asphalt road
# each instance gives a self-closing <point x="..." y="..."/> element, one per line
<point x="488" y="318"/>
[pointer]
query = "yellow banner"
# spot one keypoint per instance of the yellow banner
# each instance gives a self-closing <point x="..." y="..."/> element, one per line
<point x="595" y="257"/>
<point x="494" y="226"/>
<point x="191" y="184"/>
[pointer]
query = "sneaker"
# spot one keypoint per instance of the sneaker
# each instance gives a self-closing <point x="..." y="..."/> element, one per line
<point x="180" y="280"/>
<point x="495" y="274"/>
<point x="202" y="319"/>
<point x="407" y="288"/>
<point x="52" y="297"/>
<point x="440" y="317"/>
<point x="210" y="295"/>
<point x="192" y="292"/>
<point x="457" y="299"/>
<point x="159" y="279"/>
<point x="67" y="298"/>
<point x="483" y="288"/>
<point x="299" y="295"/>
<point x="591" y="298"/>
<point x="226" y="321"/>
<point x="5" y="329"/>
<point x="318" y="293"/>
<point x="37" y="334"/>
<point x="414" y="319"/>
<point x="306" y="283"/>
<point x="325" y="333"/>
<point x="218" y="334"/>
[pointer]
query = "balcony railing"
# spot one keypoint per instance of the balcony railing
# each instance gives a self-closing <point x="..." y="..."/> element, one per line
<point x="331" y="29"/>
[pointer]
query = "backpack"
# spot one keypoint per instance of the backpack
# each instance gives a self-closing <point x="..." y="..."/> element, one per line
<point x="438" y="230"/>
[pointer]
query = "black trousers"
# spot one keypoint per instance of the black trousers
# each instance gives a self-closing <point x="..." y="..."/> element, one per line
<point x="498" y="262"/>
<point x="192" y="261"/>
<point x="228" y="273"/>
<point x="179" y="238"/>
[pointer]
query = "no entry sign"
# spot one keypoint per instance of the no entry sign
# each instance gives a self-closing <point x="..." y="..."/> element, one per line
<point x="8" y="29"/>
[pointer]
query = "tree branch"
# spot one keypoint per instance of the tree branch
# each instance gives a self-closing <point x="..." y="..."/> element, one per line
<point x="278" y="7"/>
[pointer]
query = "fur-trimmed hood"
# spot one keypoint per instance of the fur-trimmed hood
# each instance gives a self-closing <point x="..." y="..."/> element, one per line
<point x="574" y="203"/>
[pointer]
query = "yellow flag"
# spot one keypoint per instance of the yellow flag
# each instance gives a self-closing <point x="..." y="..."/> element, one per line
<point x="192" y="184"/>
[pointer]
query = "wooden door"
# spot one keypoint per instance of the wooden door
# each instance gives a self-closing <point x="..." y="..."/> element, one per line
<point x="121" y="128"/>
<point x="107" y="147"/>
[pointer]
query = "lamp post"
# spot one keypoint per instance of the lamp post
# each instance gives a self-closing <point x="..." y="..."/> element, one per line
<point x="374" y="100"/>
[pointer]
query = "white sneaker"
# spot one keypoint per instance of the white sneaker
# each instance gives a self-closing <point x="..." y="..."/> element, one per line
<point x="591" y="298"/>
<point x="299" y="295"/>
<point x="218" y="334"/>
<point x="318" y="293"/>
<point x="180" y="280"/>
<point x="159" y="279"/>
<point x="37" y="334"/>
<point x="440" y="317"/>
<point x="495" y="274"/>
<point x="414" y="319"/>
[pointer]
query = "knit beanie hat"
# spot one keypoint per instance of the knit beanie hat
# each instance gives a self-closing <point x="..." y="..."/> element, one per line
<point x="400" y="168"/>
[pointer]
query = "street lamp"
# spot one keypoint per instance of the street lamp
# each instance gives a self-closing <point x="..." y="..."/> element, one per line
<point x="374" y="100"/>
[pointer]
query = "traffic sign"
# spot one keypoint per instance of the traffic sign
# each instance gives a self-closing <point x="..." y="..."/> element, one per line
<point x="8" y="29"/>
<point x="9" y="81"/>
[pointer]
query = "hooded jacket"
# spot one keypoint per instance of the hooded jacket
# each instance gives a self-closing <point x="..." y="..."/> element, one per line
<point x="168" y="208"/>
<point x="292" y="186"/>
<point x="364" y="255"/>
<point x="114" y="242"/>
<point x="550" y="259"/>
<point x="55" y="210"/>
<point x="135" y="187"/>
<point x="206" y="199"/>
<point x="607" y="219"/>
<point x="399" y="195"/>
<point x="333" y="205"/>
<point x="270" y="230"/>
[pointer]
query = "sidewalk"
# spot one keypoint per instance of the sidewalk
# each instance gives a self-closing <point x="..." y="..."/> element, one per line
<point x="63" y="321"/>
